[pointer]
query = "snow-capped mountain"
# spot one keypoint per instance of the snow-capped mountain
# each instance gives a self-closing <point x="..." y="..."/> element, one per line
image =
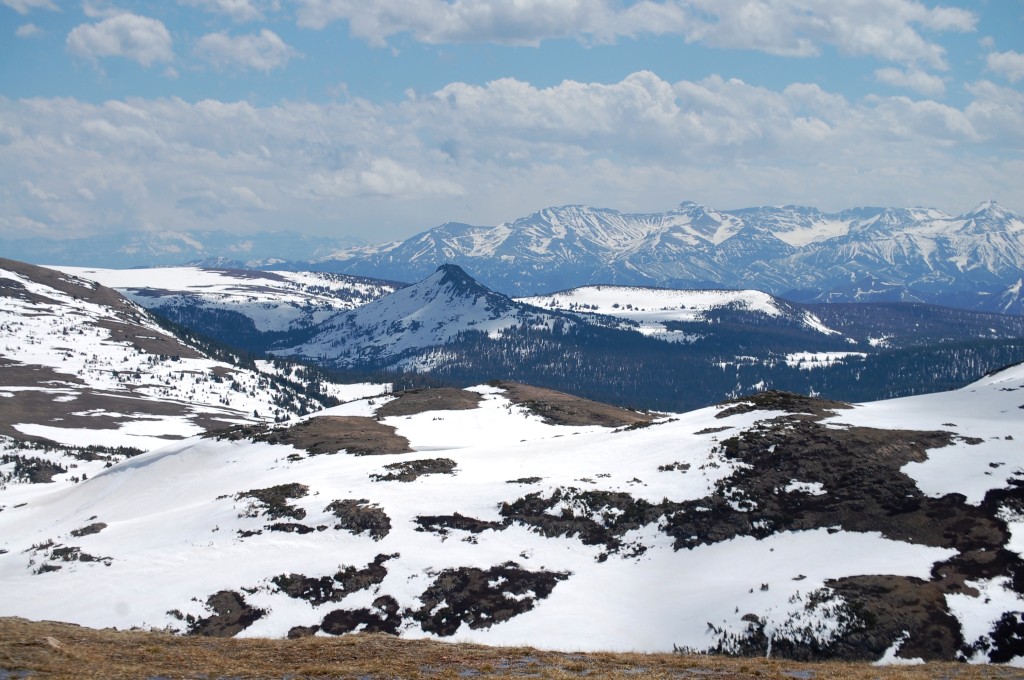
<point x="425" y="315"/>
<point x="174" y="247"/>
<point x="972" y="260"/>
<point x="509" y="515"/>
<point x="80" y="365"/>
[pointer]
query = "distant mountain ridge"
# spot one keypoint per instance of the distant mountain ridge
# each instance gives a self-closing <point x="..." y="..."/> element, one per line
<point x="175" y="247"/>
<point x="974" y="260"/>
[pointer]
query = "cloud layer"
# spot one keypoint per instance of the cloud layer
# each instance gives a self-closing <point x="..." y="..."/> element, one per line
<point x="888" y="29"/>
<point x="482" y="152"/>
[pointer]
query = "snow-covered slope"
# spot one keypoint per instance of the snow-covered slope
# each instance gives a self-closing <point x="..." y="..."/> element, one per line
<point x="650" y="308"/>
<point x="274" y="300"/>
<point x="507" y="515"/>
<point x="80" y="365"/>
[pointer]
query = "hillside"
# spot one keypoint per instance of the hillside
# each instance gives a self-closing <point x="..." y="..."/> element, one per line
<point x="247" y="309"/>
<point x="512" y="516"/>
<point x="81" y="366"/>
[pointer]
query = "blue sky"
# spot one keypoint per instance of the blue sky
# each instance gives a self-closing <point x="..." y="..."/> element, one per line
<point x="381" y="119"/>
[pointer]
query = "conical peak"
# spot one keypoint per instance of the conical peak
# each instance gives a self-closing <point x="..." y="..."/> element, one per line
<point x="458" y="281"/>
<point x="453" y="273"/>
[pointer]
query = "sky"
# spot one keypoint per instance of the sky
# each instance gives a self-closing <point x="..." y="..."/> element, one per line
<point x="380" y="119"/>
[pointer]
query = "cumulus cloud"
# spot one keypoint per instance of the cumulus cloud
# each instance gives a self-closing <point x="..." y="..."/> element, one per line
<point x="26" y="6"/>
<point x="1008" y="64"/>
<point x="141" y="39"/>
<point x="888" y="29"/>
<point x="486" y="153"/>
<point x="913" y="79"/>
<point x="239" y="10"/>
<point x="263" y="51"/>
<point x="28" y="31"/>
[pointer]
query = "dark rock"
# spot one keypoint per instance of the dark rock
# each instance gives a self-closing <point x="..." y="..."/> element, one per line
<point x="440" y="524"/>
<point x="231" y="615"/>
<point x="89" y="529"/>
<point x="411" y="470"/>
<point x="360" y="516"/>
<point x="383" y="617"/>
<point x="348" y="580"/>
<point x="481" y="598"/>
<point x="275" y="499"/>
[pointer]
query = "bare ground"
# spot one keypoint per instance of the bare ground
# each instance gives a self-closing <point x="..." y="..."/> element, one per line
<point x="55" y="398"/>
<point x="559" y="408"/>
<point x="60" y="650"/>
<point x="437" y="399"/>
<point x="327" y="435"/>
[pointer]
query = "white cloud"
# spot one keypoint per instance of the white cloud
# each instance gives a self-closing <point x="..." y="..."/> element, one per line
<point x="141" y="39"/>
<point x="263" y="51"/>
<point x="438" y="21"/>
<point x="913" y="79"/>
<point x="888" y="29"/>
<point x="1000" y="110"/>
<point x="28" y="31"/>
<point x="26" y="6"/>
<point x="486" y="153"/>
<point x="381" y="178"/>
<point x="99" y="9"/>
<point x="1008" y="64"/>
<point x="239" y="10"/>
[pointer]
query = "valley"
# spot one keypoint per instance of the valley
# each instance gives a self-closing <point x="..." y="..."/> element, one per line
<point x="648" y="348"/>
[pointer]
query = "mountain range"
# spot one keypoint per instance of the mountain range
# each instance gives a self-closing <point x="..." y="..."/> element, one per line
<point x="974" y="260"/>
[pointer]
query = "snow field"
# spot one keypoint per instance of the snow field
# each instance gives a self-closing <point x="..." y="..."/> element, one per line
<point x="173" y="523"/>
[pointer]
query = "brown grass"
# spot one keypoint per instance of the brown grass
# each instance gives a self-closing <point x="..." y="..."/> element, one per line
<point x="59" y="650"/>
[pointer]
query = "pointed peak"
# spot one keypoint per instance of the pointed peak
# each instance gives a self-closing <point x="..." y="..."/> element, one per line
<point x="693" y="208"/>
<point x="989" y="207"/>
<point x="459" y="281"/>
<point x="453" y="272"/>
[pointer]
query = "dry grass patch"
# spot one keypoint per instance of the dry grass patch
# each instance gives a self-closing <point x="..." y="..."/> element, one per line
<point x="59" y="650"/>
<point x="559" y="408"/>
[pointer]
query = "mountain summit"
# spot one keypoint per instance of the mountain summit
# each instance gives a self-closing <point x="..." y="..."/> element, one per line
<point x="427" y="314"/>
